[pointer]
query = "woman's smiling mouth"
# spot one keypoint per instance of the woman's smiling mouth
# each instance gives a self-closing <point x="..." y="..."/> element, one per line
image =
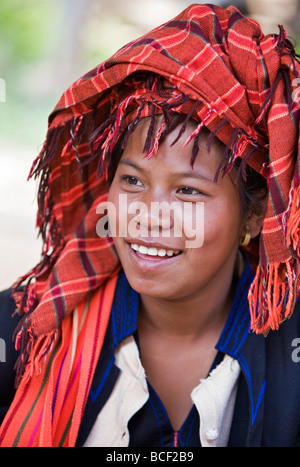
<point x="154" y="251"/>
<point x="151" y="255"/>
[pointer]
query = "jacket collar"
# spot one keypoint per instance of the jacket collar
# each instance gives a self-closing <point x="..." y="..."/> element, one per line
<point x="236" y="339"/>
<point x="125" y="312"/>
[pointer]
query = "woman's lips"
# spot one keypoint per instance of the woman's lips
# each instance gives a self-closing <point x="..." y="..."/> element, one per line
<point x="154" y="251"/>
<point x="151" y="256"/>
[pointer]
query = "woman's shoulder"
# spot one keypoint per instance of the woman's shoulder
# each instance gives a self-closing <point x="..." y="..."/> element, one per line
<point x="297" y="312"/>
<point x="8" y="354"/>
<point x="8" y="320"/>
<point x="293" y="322"/>
<point x="283" y="346"/>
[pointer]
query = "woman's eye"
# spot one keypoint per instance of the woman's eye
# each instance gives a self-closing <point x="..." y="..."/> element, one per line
<point x="188" y="191"/>
<point x="133" y="181"/>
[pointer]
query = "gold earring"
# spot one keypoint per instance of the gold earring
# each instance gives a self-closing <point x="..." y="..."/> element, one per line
<point x="246" y="240"/>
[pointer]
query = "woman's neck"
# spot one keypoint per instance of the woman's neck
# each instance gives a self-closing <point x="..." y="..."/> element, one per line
<point x="191" y="317"/>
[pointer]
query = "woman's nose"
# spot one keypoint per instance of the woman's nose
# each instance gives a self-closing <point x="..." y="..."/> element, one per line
<point x="153" y="216"/>
<point x="157" y="216"/>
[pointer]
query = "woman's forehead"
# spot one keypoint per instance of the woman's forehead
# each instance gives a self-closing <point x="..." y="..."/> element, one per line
<point x="176" y="152"/>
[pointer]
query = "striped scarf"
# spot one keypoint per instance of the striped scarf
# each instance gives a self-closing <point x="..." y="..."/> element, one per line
<point x="208" y="63"/>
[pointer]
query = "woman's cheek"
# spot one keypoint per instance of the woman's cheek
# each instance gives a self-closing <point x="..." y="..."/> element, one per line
<point x="113" y="211"/>
<point x="194" y="224"/>
<point x="218" y="223"/>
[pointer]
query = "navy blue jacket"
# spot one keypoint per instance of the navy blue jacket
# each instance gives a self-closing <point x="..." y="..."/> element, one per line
<point x="267" y="409"/>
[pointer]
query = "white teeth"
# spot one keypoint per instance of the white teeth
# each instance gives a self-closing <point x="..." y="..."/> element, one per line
<point x="143" y="249"/>
<point x="161" y="252"/>
<point x="152" y="251"/>
<point x="172" y="252"/>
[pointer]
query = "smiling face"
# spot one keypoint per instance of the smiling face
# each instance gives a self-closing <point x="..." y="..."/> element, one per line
<point x="159" y="262"/>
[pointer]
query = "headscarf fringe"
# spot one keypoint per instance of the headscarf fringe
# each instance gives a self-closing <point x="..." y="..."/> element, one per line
<point x="33" y="353"/>
<point x="73" y="132"/>
<point x="153" y="150"/>
<point x="49" y="150"/>
<point x="286" y="48"/>
<point x="272" y="295"/>
<point x="293" y="223"/>
<point x="24" y="289"/>
<point x="160" y="101"/>
<point x="25" y="342"/>
<point x="45" y="221"/>
<point x="229" y="154"/>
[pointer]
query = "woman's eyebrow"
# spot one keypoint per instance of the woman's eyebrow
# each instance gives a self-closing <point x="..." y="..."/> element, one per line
<point x="131" y="164"/>
<point x="192" y="174"/>
<point x="189" y="174"/>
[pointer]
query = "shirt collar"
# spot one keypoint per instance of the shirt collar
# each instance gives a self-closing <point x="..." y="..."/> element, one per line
<point x="125" y="311"/>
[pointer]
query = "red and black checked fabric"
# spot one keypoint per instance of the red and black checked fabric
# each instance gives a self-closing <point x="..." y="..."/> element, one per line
<point x="243" y="83"/>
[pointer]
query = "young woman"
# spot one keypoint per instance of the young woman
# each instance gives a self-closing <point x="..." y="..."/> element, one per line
<point x="145" y="337"/>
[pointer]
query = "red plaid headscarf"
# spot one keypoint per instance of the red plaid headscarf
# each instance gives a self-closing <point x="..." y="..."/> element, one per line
<point x="213" y="65"/>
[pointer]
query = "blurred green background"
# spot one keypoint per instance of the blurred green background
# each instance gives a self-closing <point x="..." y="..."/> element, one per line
<point x="44" y="46"/>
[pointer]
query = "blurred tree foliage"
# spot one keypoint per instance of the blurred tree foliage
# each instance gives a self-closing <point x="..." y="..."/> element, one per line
<point x="22" y="31"/>
<point x="34" y="36"/>
<point x="25" y="41"/>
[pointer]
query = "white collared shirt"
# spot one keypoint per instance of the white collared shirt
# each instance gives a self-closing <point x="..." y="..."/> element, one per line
<point x="214" y="399"/>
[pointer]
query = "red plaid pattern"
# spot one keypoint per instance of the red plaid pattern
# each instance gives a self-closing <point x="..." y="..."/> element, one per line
<point x="241" y="80"/>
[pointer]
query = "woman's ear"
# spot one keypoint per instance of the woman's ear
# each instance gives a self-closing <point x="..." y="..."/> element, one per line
<point x="254" y="224"/>
<point x="251" y="229"/>
<point x="254" y="220"/>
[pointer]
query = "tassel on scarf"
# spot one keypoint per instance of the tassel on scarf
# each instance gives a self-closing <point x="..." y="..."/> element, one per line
<point x="272" y="296"/>
<point x="293" y="223"/>
<point x="33" y="354"/>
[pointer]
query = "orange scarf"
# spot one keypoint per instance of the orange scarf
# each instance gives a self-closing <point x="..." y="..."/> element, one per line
<point x="48" y="407"/>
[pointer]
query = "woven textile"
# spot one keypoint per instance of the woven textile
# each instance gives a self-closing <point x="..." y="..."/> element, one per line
<point x="242" y="82"/>
<point x="49" y="404"/>
<point x="239" y="84"/>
